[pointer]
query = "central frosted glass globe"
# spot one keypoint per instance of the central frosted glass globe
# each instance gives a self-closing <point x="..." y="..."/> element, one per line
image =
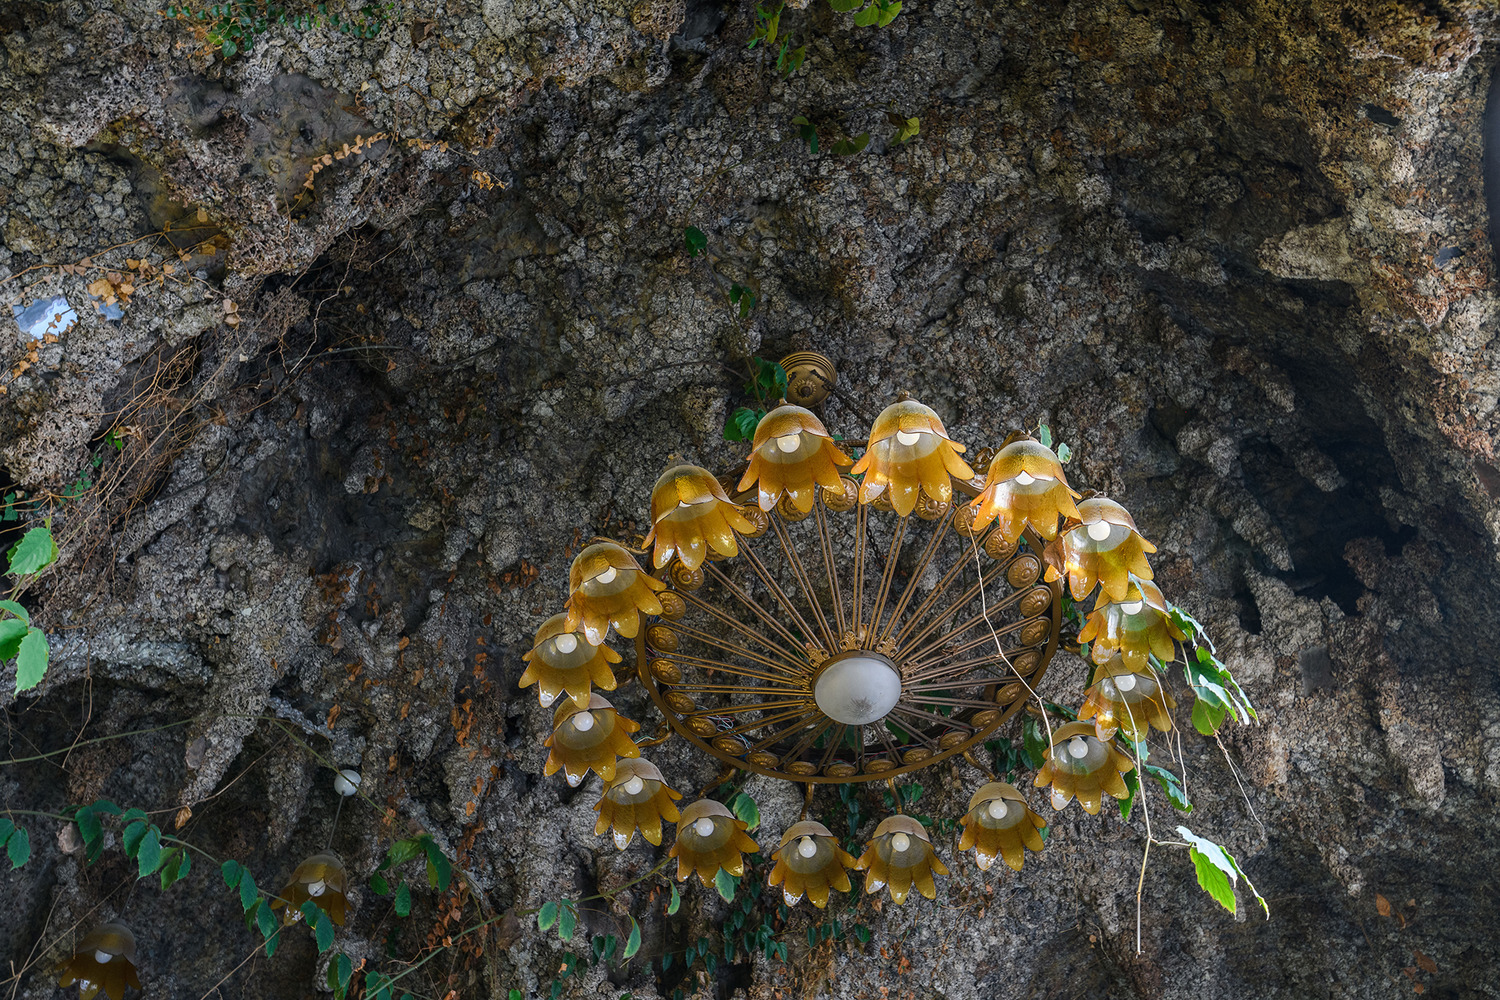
<point x="857" y="688"/>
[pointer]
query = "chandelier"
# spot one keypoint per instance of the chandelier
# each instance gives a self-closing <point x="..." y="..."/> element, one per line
<point x="819" y="619"/>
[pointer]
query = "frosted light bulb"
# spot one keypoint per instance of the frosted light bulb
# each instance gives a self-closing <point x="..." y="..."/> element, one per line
<point x="807" y="847"/>
<point x="346" y="782"/>
<point x="315" y="889"/>
<point x="857" y="688"/>
<point x="102" y="957"/>
<point x="635" y="785"/>
<point x="583" y="722"/>
<point x="1125" y="682"/>
<point x="1078" y="747"/>
<point x="1059" y="800"/>
<point x="566" y="643"/>
<point x="998" y="809"/>
<point x="704" y="827"/>
<point x="1024" y="478"/>
<point x="900" y="842"/>
<point x="789" y="442"/>
<point x="608" y="576"/>
<point x="1107" y="688"/>
<point x="1099" y="530"/>
<point x="908" y="438"/>
<point x="1132" y="607"/>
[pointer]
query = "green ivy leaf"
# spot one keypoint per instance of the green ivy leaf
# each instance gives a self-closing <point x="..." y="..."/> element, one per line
<point x="633" y="943"/>
<point x="132" y="836"/>
<point x="33" y="553"/>
<point x="91" y="830"/>
<point x="741" y="424"/>
<point x="379" y="885"/>
<point x="248" y="894"/>
<point x="1132" y="786"/>
<point x="675" y="902"/>
<point x="863" y="933"/>
<point x="148" y="853"/>
<point x="807" y="132"/>
<point x="403" y="900"/>
<point x="567" y="920"/>
<point x="321" y="925"/>
<point x="232" y="871"/>
<point x="229" y="48"/>
<point x="171" y="861"/>
<point x="845" y="6"/>
<point x="18" y="848"/>
<point x="1171" y="786"/>
<point x="12" y="631"/>
<point x="848" y="147"/>
<point x="31" y="660"/>
<point x="1217" y="871"/>
<point x="400" y="853"/>
<point x="695" y="240"/>
<point x="345" y="969"/>
<point x="1034" y="742"/>
<point x="439" y="868"/>
<point x="726" y="884"/>
<point x="265" y="922"/>
<point x="747" y="810"/>
<point x="17" y="610"/>
<point x="1207" y="718"/>
<point x="546" y="916"/>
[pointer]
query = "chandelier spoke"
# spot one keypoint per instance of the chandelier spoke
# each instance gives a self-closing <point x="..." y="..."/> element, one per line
<point x="825" y="543"/>
<point x="728" y="668"/>
<point x="801" y="723"/>
<point x="782" y="597"/>
<point x="857" y="605"/>
<point x="926" y="606"/>
<point x="795" y="560"/>
<point x="887" y="575"/>
<point x="752" y="605"/>
<point x="963" y="599"/>
<point x="946" y="653"/>
<point x="918" y="571"/>
<point x="932" y="718"/>
<point x="799" y="713"/>
<point x="789" y="657"/>
<point x="785" y="666"/>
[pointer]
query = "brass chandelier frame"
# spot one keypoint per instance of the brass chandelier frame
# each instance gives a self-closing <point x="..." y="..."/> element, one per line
<point x="905" y="627"/>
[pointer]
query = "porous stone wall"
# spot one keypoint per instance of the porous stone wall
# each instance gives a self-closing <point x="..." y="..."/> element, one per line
<point x="1235" y="254"/>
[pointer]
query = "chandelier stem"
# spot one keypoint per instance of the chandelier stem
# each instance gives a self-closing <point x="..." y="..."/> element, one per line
<point x="806" y="802"/>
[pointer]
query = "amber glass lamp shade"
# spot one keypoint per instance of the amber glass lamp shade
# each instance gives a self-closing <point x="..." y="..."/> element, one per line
<point x="637" y="798"/>
<point x="691" y="514"/>
<point x="608" y="589"/>
<point x="1105" y="548"/>
<point x="104" y="960"/>
<point x="710" y="837"/>
<point x="1025" y="485"/>
<point x="900" y="856"/>
<point x="792" y="455"/>
<point x="1000" y="823"/>
<point x="1136" y="627"/>
<point x="1126" y="701"/>
<point x="588" y="736"/>
<point x="810" y="862"/>
<point x="909" y="451"/>
<point x="1081" y="764"/>
<point x="321" y="879"/>
<point x="566" y="662"/>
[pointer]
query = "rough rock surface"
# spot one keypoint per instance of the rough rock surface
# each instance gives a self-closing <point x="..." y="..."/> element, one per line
<point x="1236" y="254"/>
